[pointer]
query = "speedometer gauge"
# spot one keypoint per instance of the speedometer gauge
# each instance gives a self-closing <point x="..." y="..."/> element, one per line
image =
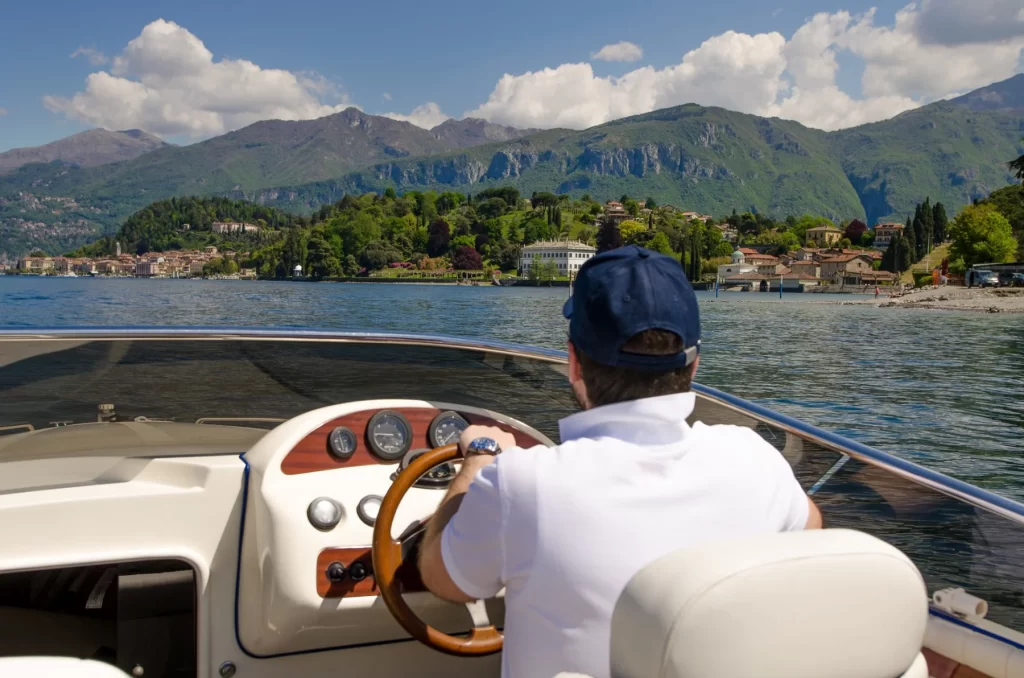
<point x="389" y="435"/>
<point x="342" y="442"/>
<point x="446" y="428"/>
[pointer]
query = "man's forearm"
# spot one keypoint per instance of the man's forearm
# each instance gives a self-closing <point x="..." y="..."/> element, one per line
<point x="430" y="549"/>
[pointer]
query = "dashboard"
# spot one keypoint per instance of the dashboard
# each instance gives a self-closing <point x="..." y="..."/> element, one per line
<point x="314" y="487"/>
<point x="388" y="436"/>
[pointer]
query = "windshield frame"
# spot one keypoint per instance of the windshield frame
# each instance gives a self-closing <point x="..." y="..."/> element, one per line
<point x="979" y="497"/>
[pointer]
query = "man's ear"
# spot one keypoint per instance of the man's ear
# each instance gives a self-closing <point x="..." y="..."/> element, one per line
<point x="576" y="378"/>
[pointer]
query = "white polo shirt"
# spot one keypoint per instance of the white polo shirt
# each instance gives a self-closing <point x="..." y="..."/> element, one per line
<point x="564" y="529"/>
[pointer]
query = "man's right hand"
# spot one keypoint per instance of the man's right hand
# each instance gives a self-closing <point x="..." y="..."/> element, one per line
<point x="506" y="440"/>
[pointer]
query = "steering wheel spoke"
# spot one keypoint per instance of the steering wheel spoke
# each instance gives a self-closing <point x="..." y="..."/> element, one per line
<point x="483" y="638"/>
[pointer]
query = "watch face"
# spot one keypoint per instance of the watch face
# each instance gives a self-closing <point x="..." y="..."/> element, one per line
<point x="484" y="446"/>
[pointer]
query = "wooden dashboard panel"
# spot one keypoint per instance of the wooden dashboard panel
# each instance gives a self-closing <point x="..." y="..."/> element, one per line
<point x="408" y="575"/>
<point x="312" y="453"/>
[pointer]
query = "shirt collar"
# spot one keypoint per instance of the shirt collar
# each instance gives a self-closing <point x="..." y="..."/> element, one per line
<point x="657" y="420"/>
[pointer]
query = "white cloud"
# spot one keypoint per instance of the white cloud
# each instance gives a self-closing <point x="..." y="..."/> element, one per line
<point x="898" y="62"/>
<point x="167" y="82"/>
<point x="776" y="12"/>
<point x="386" y="96"/>
<point x="620" y="51"/>
<point x="733" y="70"/>
<point x="3" y="112"/>
<point x="766" y="74"/>
<point x="95" y="57"/>
<point x="427" y="116"/>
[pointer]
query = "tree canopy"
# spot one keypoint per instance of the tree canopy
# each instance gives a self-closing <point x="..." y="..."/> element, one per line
<point x="980" y="234"/>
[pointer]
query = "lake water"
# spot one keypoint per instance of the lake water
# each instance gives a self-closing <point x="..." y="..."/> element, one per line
<point x="941" y="388"/>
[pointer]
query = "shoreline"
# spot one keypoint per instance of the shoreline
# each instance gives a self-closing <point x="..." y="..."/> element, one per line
<point x="975" y="300"/>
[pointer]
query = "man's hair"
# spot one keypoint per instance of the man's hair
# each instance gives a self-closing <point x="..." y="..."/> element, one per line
<point x="607" y="385"/>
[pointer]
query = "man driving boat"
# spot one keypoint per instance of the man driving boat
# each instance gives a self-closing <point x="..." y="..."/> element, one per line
<point x="563" y="529"/>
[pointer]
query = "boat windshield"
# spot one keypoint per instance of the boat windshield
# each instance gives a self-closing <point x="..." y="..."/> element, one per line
<point x="261" y="381"/>
<point x="959" y="536"/>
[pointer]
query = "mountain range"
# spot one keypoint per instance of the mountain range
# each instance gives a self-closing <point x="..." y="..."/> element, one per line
<point x="86" y="149"/>
<point x="701" y="158"/>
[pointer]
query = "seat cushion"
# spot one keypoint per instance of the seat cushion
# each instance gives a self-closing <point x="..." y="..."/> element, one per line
<point x="814" y="604"/>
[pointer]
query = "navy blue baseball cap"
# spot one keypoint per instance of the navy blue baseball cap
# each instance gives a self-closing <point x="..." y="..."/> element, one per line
<point x="622" y="292"/>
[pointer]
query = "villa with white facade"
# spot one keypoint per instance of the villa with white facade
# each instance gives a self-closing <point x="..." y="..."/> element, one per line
<point x="568" y="255"/>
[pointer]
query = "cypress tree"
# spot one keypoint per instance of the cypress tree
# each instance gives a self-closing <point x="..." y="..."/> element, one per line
<point x="906" y="256"/>
<point x="890" y="255"/>
<point x="929" y="224"/>
<point x="608" y="236"/>
<point x="918" y="226"/>
<point x="940" y="224"/>
<point x="909" y="234"/>
<point x="695" y="256"/>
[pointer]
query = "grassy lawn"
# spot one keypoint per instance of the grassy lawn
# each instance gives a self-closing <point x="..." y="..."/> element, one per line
<point x="929" y="262"/>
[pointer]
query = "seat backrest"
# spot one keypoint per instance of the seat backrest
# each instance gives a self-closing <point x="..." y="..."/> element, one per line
<point x="814" y="604"/>
<point x="53" y="667"/>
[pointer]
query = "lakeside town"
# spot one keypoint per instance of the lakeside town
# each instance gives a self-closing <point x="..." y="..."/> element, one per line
<point x="750" y="267"/>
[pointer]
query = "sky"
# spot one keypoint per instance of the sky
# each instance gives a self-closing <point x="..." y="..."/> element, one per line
<point x="189" y="70"/>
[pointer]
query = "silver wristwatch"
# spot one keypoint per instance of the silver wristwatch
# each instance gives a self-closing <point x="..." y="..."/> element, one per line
<point x="483" y="446"/>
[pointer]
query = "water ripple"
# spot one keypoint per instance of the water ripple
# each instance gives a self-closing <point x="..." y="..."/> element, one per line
<point x="941" y="388"/>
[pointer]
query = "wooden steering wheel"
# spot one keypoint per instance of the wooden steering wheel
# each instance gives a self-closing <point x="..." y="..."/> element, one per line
<point x="484" y="638"/>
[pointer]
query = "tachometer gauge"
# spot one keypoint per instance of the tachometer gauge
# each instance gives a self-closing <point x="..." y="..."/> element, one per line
<point x="342" y="442"/>
<point x="389" y="435"/>
<point x="437" y="477"/>
<point x="446" y="428"/>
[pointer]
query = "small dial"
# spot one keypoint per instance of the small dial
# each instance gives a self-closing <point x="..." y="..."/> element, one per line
<point x="342" y="442"/>
<point x="389" y="435"/>
<point x="437" y="477"/>
<point x="446" y="428"/>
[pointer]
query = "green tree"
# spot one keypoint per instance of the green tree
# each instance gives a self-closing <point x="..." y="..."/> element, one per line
<point x="378" y="255"/>
<point x="608" y="236"/>
<point x="928" y="217"/>
<point x="294" y="252"/>
<point x="909" y="235"/>
<point x="358" y="232"/>
<point x="543" y="199"/>
<point x="660" y="243"/>
<point x="940" y="224"/>
<point x="980" y="234"/>
<point x="533" y="272"/>
<point x="506" y="256"/>
<point x="631" y="231"/>
<point x="1017" y="168"/>
<point x="1009" y="202"/>
<point x="389" y="192"/>
<point x="350" y="266"/>
<point x="906" y="255"/>
<point x="650" y="204"/>
<point x="321" y="259"/>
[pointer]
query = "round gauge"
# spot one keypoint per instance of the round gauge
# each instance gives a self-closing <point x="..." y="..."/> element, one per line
<point x="389" y="435"/>
<point x="437" y="477"/>
<point x="342" y="442"/>
<point x="446" y="428"/>
<point x="368" y="508"/>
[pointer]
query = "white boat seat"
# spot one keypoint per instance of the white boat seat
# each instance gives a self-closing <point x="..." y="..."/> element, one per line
<point x="57" y="667"/>
<point x="814" y="604"/>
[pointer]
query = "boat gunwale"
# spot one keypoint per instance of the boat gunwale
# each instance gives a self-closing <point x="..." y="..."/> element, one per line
<point x="972" y="494"/>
